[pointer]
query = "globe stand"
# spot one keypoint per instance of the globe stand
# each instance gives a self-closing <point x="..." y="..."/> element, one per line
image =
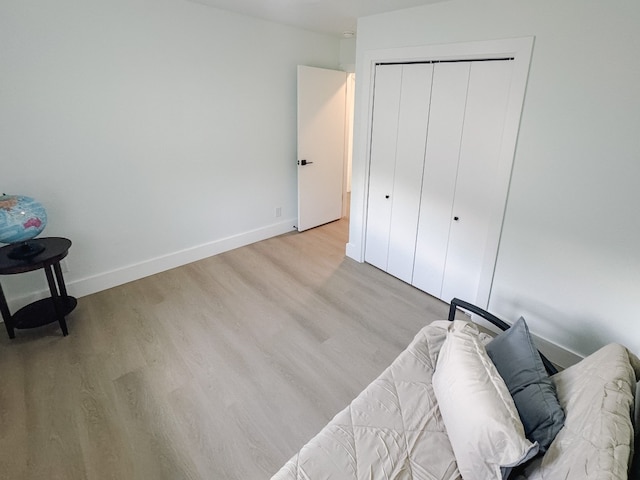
<point x="26" y="250"/>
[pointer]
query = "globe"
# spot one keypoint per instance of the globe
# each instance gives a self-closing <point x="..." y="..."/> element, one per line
<point x="21" y="219"/>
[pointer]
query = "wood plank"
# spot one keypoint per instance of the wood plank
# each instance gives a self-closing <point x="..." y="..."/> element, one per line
<point x="219" y="369"/>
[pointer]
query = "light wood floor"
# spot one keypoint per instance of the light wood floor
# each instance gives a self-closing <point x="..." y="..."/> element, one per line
<point x="220" y="369"/>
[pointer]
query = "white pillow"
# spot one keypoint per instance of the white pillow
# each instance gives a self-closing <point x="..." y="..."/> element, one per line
<point x="480" y="417"/>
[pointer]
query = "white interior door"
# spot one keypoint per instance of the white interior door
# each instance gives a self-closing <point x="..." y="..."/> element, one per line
<point x="413" y="119"/>
<point x="475" y="203"/>
<point x="400" y="118"/>
<point x="448" y="103"/>
<point x="321" y="145"/>
<point x="437" y="136"/>
<point x="384" y="137"/>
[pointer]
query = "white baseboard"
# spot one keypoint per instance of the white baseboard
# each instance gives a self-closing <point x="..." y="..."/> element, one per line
<point x="557" y="354"/>
<point x="353" y="252"/>
<point x="113" y="278"/>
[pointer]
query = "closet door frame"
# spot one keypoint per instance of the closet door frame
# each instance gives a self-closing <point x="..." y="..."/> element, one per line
<point x="520" y="50"/>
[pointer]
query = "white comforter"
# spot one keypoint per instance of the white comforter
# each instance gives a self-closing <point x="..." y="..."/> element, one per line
<point x="393" y="430"/>
<point x="596" y="442"/>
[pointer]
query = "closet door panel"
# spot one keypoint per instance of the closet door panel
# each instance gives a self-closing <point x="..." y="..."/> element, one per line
<point x="407" y="181"/>
<point x="384" y="135"/>
<point x="448" y="103"/>
<point x="474" y="202"/>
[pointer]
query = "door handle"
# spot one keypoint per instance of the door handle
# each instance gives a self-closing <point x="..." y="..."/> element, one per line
<point x="304" y="162"/>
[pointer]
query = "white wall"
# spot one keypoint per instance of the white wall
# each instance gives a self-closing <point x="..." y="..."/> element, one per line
<point x="569" y="259"/>
<point x="348" y="54"/>
<point x="155" y="132"/>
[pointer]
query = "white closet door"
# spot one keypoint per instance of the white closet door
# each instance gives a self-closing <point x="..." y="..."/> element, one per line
<point x="384" y="135"/>
<point x="448" y="103"/>
<point x="474" y="201"/>
<point x="407" y="181"/>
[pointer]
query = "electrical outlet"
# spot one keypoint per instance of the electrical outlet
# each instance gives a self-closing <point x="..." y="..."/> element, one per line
<point x="278" y="211"/>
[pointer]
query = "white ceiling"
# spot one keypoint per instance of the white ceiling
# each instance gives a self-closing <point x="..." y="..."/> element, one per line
<point x="326" y="16"/>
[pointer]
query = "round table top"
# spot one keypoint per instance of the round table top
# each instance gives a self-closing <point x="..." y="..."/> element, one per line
<point x="55" y="249"/>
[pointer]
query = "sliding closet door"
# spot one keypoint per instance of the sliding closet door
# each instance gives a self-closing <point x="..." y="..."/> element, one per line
<point x="400" y="119"/>
<point x="407" y="181"/>
<point x="384" y="136"/>
<point x="436" y="141"/>
<point x="475" y="205"/>
<point x="448" y="103"/>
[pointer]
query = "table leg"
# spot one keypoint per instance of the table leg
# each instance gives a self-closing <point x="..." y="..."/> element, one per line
<point x="62" y="288"/>
<point x="56" y="300"/>
<point x="6" y="314"/>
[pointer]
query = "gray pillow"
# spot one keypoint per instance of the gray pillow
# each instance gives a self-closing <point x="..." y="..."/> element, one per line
<point x="519" y="364"/>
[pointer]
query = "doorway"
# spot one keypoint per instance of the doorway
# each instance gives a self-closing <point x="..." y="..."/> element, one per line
<point x="517" y="49"/>
<point x="325" y="139"/>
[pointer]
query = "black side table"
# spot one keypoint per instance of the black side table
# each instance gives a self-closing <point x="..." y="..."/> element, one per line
<point x="47" y="310"/>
